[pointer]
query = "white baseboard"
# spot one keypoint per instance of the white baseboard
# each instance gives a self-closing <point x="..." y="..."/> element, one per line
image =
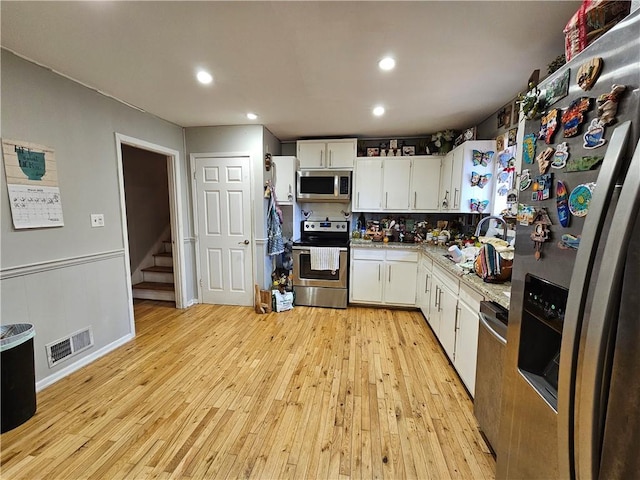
<point x="84" y="361"/>
<point x="192" y="302"/>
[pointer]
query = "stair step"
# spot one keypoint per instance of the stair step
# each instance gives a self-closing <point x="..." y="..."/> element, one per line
<point x="154" y="291"/>
<point x="167" y="244"/>
<point x="164" y="259"/>
<point x="158" y="274"/>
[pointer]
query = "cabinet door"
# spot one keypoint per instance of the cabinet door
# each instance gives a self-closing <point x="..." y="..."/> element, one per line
<point x="400" y="283"/>
<point x="448" y="302"/>
<point x="467" y="345"/>
<point x="284" y="178"/>
<point x="446" y="200"/>
<point x="368" y="184"/>
<point x="397" y="178"/>
<point x="434" y="308"/>
<point x="456" y="177"/>
<point x="366" y="281"/>
<point x="341" y="155"/>
<point x="423" y="293"/>
<point x="312" y="154"/>
<point x="425" y="184"/>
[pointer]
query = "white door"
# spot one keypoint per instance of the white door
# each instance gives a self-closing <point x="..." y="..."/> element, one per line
<point x="224" y="230"/>
<point x="397" y="177"/>
<point x="368" y="180"/>
<point x="425" y="181"/>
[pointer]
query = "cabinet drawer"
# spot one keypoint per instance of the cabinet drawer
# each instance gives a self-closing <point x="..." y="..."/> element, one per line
<point x="449" y="281"/>
<point x="367" y="254"/>
<point x="402" y="255"/>
<point x="470" y="296"/>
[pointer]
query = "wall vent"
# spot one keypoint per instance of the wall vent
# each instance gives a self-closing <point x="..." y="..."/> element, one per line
<point x="69" y="346"/>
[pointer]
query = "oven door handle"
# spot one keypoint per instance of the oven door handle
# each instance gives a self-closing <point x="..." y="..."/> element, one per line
<point x="305" y="251"/>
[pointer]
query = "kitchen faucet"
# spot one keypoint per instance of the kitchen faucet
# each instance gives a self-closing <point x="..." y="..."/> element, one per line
<point x="500" y="219"/>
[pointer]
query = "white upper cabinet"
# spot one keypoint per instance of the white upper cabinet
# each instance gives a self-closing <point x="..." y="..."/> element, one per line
<point x="284" y="179"/>
<point x="336" y="154"/>
<point x="367" y="194"/>
<point x="425" y="183"/>
<point x="397" y="184"/>
<point x="466" y="175"/>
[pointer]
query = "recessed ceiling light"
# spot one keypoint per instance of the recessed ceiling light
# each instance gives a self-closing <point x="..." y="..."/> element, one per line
<point x="251" y="116"/>
<point x="387" y="63"/>
<point x="204" y="77"/>
<point x="378" y="111"/>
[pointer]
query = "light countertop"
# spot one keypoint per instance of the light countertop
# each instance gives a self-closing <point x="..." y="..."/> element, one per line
<point x="498" y="292"/>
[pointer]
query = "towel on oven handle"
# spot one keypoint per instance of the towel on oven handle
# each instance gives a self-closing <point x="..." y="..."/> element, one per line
<point x="325" y="258"/>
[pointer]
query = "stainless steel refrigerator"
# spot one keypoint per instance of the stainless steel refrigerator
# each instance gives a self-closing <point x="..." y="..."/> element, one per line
<point x="571" y="394"/>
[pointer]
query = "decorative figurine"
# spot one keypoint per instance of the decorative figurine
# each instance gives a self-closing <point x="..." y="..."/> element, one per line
<point x="608" y="104"/>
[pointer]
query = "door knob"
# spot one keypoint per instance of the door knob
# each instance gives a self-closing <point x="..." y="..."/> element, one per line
<point x="246" y="242"/>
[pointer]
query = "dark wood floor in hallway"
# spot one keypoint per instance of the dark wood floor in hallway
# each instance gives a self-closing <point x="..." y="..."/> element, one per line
<point x="222" y="392"/>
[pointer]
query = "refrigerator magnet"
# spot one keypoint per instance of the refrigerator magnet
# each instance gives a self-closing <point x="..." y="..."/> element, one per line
<point x="525" y="180"/>
<point x="573" y="116"/>
<point x="580" y="198"/>
<point x="594" y="137"/>
<point x="529" y="150"/>
<point x="478" y="180"/>
<point x="526" y="213"/>
<point x="608" y="104"/>
<point x="588" y="73"/>
<point x="541" y="232"/>
<point x="569" y="241"/>
<point x="542" y="187"/>
<point x="548" y="126"/>
<point x="583" y="164"/>
<point x="560" y="156"/>
<point x="544" y="158"/>
<point x="482" y="158"/>
<point x="562" y="203"/>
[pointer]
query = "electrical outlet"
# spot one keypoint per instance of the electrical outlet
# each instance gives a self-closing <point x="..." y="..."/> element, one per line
<point x="97" y="220"/>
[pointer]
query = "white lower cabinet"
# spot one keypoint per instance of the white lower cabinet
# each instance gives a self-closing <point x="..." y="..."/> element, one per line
<point x="425" y="274"/>
<point x="386" y="277"/>
<point x="453" y="316"/>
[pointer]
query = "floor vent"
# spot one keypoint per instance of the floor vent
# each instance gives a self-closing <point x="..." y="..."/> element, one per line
<point x="69" y="346"/>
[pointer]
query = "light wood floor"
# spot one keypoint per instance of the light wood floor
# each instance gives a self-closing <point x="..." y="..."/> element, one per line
<point x="221" y="392"/>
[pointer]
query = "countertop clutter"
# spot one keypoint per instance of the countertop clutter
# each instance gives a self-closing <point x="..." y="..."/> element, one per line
<point x="498" y="292"/>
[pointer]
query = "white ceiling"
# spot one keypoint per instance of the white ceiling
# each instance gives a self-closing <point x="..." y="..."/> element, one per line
<point x="306" y="68"/>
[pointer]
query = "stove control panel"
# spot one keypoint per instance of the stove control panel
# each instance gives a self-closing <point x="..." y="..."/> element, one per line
<point x="325" y="226"/>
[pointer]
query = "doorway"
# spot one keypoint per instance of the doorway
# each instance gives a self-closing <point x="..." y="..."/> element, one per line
<point x="166" y="160"/>
<point x="222" y="203"/>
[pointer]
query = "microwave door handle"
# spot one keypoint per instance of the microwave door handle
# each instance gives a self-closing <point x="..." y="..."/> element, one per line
<point x="597" y="356"/>
<point x="578" y="290"/>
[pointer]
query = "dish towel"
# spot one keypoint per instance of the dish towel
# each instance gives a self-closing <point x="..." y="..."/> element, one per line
<point x="325" y="258"/>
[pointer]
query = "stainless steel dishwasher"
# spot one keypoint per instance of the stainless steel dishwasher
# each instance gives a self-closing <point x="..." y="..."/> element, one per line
<point x="492" y="341"/>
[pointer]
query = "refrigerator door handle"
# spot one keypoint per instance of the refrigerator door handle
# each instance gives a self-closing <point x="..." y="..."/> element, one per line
<point x="578" y="289"/>
<point x="596" y="365"/>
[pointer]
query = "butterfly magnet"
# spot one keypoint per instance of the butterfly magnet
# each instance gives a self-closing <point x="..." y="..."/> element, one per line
<point x="482" y="158"/>
<point x="479" y="206"/>
<point x="478" y="180"/>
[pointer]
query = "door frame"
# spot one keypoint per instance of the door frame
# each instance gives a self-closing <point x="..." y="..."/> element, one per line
<point x="175" y="213"/>
<point x="193" y="157"/>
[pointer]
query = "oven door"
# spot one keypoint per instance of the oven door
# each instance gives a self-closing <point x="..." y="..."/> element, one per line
<point x="304" y="276"/>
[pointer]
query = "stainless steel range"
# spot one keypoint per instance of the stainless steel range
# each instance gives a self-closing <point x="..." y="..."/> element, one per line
<point x="324" y="286"/>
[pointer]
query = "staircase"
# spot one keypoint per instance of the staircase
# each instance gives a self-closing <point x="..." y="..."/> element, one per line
<point x="157" y="281"/>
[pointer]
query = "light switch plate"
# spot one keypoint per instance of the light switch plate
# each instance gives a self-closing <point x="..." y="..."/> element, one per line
<point x="97" y="220"/>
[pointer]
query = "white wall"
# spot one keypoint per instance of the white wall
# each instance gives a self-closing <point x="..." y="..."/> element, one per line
<point x="64" y="279"/>
<point x="256" y="141"/>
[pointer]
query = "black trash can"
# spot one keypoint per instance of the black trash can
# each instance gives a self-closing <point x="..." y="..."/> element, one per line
<point x="18" y="394"/>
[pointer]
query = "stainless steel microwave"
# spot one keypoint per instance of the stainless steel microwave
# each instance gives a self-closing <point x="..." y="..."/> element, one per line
<point x="324" y="186"/>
